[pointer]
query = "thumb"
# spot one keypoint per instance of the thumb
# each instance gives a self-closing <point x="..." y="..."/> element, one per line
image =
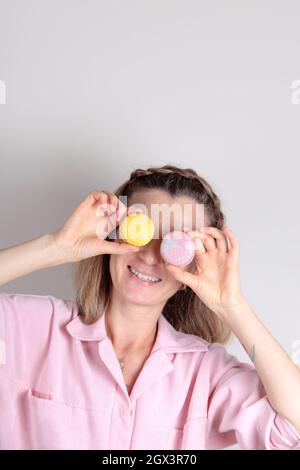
<point x="113" y="248"/>
<point x="180" y="274"/>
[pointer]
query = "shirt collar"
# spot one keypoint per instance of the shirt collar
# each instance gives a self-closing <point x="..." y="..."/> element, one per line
<point x="167" y="337"/>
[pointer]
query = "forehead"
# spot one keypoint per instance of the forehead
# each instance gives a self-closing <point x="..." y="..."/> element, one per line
<point x="151" y="196"/>
<point x="168" y="212"/>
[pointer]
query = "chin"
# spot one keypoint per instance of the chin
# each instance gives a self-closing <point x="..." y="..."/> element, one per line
<point x="136" y="296"/>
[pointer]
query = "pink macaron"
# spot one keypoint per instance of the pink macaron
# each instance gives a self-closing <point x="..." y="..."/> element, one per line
<point x="177" y="248"/>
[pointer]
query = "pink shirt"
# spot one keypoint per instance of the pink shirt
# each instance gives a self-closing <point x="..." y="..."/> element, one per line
<point x="61" y="387"/>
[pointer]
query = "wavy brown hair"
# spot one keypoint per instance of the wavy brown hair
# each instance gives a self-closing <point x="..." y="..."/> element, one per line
<point x="184" y="310"/>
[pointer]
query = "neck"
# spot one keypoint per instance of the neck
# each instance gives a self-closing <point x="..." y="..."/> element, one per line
<point x="131" y="327"/>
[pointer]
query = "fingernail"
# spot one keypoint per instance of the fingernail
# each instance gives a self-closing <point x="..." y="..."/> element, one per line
<point x="100" y="212"/>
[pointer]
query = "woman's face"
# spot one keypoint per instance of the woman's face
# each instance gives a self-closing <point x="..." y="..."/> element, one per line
<point x="148" y="260"/>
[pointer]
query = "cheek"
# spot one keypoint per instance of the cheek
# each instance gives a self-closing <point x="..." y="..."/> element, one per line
<point x="173" y="283"/>
<point x="115" y="264"/>
<point x="112" y="268"/>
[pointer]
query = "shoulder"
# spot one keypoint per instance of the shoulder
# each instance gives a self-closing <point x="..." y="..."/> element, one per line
<point x="217" y="363"/>
<point x="32" y="328"/>
<point x="32" y="310"/>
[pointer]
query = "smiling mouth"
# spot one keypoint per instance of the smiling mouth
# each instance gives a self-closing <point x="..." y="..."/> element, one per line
<point x="143" y="277"/>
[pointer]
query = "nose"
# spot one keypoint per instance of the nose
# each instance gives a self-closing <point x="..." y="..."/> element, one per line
<point x="150" y="253"/>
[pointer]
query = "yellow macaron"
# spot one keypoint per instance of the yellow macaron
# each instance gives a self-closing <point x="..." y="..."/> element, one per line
<point x="137" y="229"/>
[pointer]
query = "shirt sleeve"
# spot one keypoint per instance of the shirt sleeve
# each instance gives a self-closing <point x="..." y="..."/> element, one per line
<point x="239" y="409"/>
<point x="27" y="327"/>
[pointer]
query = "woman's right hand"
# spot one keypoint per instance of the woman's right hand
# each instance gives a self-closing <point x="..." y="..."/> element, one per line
<point x="83" y="234"/>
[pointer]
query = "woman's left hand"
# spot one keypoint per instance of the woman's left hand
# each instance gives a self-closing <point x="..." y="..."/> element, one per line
<point x="215" y="277"/>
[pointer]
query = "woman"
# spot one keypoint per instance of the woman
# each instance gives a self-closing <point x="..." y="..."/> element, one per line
<point x="134" y="364"/>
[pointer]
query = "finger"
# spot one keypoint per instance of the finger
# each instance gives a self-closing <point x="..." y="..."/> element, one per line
<point x="113" y="203"/>
<point x="94" y="194"/>
<point x="195" y="236"/>
<point x="106" y="200"/>
<point x="112" y="208"/>
<point x="200" y="251"/>
<point x="105" y="209"/>
<point x="208" y="240"/>
<point x="118" y="248"/>
<point x="98" y="196"/>
<point x="234" y="246"/>
<point x="233" y="239"/>
<point x="100" y="199"/>
<point x="181" y="275"/>
<point x="207" y="244"/>
<point x="220" y="237"/>
<point x="120" y="207"/>
<point x="105" y="227"/>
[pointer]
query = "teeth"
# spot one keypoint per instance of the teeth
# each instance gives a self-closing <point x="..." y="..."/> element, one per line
<point x="143" y="277"/>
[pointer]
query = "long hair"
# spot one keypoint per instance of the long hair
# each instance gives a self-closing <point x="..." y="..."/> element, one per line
<point x="184" y="310"/>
